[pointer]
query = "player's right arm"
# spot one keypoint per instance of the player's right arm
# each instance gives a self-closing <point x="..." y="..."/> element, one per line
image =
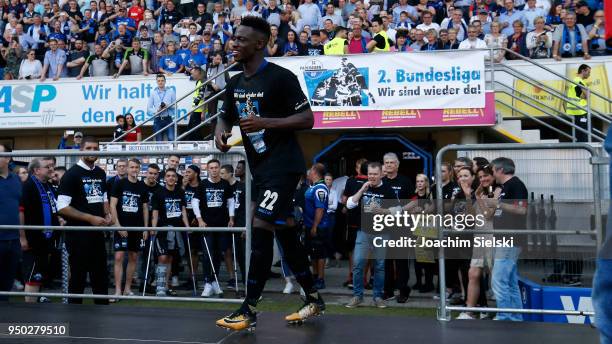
<point x="226" y="120"/>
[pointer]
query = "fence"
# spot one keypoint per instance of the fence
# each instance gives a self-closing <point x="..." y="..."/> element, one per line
<point x="106" y="154"/>
<point x="491" y="149"/>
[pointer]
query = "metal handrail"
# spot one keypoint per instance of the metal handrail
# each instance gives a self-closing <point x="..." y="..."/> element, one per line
<point x="527" y="59"/>
<point x="209" y="80"/>
<point x="205" y="102"/>
<point x="206" y="121"/>
<point x="534" y="82"/>
<point x="559" y="112"/>
<point x="574" y="126"/>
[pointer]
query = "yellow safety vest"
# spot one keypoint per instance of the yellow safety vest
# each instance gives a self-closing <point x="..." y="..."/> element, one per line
<point x="334" y="47"/>
<point x="384" y="35"/>
<point x="199" y="93"/>
<point x="570" y="108"/>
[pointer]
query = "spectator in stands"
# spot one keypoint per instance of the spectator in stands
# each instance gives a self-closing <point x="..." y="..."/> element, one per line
<point x="597" y="35"/>
<point x="403" y="6"/>
<point x="12" y="55"/>
<point x="215" y="68"/>
<point x="314" y="47"/>
<point x="432" y="41"/>
<point x="12" y="241"/>
<point x="380" y="41"/>
<point x="119" y="128"/>
<point x="82" y="201"/>
<point x="508" y="18"/>
<point x="149" y="21"/>
<point x="539" y="41"/>
<point x="358" y="43"/>
<point x="54" y="63"/>
<point x="428" y="23"/>
<point x="161" y="105"/>
<point x="555" y="17"/>
<point x="473" y="42"/>
<point x="310" y="13"/>
<point x="171" y="63"/>
<point x="584" y="15"/>
<point x="401" y="43"/>
<point x="97" y="64"/>
<point x="133" y="135"/>
<point x="145" y="39"/>
<point x="137" y="58"/>
<point x="76" y="58"/>
<point x="570" y="39"/>
<point x="30" y="68"/>
<point x="290" y="47"/>
<point x="419" y="41"/>
<point x="330" y="13"/>
<point x="157" y="50"/>
<point x="517" y="42"/>
<point x="512" y="207"/>
<point x="530" y="13"/>
<point x="495" y="40"/>
<point x="77" y="138"/>
<point x="338" y="45"/>
<point x="195" y="58"/>
<point x="456" y="22"/>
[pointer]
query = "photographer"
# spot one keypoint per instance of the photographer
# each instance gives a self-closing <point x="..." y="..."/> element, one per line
<point x="159" y="104"/>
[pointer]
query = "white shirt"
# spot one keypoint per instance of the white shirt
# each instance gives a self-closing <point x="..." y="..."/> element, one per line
<point x="426" y="28"/>
<point x="476" y="44"/>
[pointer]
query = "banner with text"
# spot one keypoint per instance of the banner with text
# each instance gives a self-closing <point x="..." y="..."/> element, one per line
<point x="391" y="81"/>
<point x="90" y="102"/>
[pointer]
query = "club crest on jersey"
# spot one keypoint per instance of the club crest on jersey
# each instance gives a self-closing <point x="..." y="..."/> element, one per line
<point x="321" y="195"/>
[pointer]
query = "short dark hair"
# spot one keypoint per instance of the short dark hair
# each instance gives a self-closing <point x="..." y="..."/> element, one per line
<point x="319" y="168"/>
<point x="229" y="168"/>
<point x="134" y="160"/>
<point x="89" y="139"/>
<point x="60" y="168"/>
<point x="375" y="164"/>
<point x="240" y="162"/>
<point x="119" y="117"/>
<point x="378" y="20"/>
<point x="583" y="67"/>
<point x="212" y="161"/>
<point x="257" y="24"/>
<point x="505" y="164"/>
<point x="154" y="166"/>
<point x="160" y="75"/>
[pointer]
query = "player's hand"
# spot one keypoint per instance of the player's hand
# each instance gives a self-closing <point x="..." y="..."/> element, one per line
<point x="97" y="221"/>
<point x="24" y="243"/>
<point x="313" y="232"/>
<point x="365" y="186"/>
<point x="145" y="235"/>
<point x="230" y="223"/>
<point x="252" y="123"/>
<point x="201" y="223"/>
<point x="221" y="141"/>
<point x="123" y="234"/>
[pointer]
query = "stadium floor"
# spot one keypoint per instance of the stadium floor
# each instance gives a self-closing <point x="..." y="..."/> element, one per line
<point x="123" y="324"/>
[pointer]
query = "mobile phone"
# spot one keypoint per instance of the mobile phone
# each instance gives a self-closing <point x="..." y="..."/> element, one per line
<point x="69" y="132"/>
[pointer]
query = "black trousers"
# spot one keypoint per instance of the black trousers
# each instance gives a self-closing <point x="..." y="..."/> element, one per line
<point x="582" y="122"/>
<point x="87" y="255"/>
<point x="397" y="273"/>
<point x="194" y="120"/>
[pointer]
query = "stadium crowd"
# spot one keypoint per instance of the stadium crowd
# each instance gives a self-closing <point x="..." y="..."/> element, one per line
<point x="176" y="195"/>
<point x="43" y="39"/>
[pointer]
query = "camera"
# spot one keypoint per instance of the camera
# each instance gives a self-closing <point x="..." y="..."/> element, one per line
<point x="162" y="105"/>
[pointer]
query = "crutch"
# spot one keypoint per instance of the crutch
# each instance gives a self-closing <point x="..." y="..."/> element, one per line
<point x="146" y="279"/>
<point x="212" y="265"/>
<point x="235" y="267"/>
<point x="191" y="264"/>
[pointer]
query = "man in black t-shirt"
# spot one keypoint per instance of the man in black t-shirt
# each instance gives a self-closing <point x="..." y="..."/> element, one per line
<point x="353" y="184"/>
<point x="168" y="211"/>
<point x="213" y="206"/>
<point x="152" y="186"/>
<point x="269" y="105"/>
<point x="237" y="187"/>
<point x="315" y="48"/>
<point x="83" y="201"/>
<point x="129" y="207"/>
<point x="510" y="213"/>
<point x="369" y="198"/>
<point x="404" y="189"/>
<point x="121" y="167"/>
<point x="76" y="58"/>
<point x="192" y="180"/>
<point x="38" y="206"/>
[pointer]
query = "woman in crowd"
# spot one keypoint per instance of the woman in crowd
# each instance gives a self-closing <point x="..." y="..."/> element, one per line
<point x="555" y="17"/>
<point x="452" y="43"/>
<point x="401" y="43"/>
<point x="22" y="173"/>
<point x="170" y="63"/>
<point x="12" y="55"/>
<point x="432" y="41"/>
<point x="134" y="135"/>
<point x="290" y="48"/>
<point x="482" y="257"/>
<point x="30" y="68"/>
<point x="539" y="41"/>
<point x="516" y="41"/>
<point x="496" y="40"/>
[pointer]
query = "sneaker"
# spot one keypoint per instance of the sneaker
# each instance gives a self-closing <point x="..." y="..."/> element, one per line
<point x="175" y="281"/>
<point x="389" y="297"/>
<point x="355" y="302"/>
<point x="465" y="316"/>
<point x="379" y="302"/>
<point x="231" y="284"/>
<point x="402" y="299"/>
<point x="574" y="282"/>
<point x="239" y="320"/>
<point x="171" y="292"/>
<point x="208" y="290"/>
<point x="312" y="307"/>
<point x="161" y="293"/>
<point x="348" y="284"/>
<point x="217" y="288"/>
<point x="484" y="316"/>
<point x="43" y="299"/>
<point x="320" y="283"/>
<point x="302" y="292"/>
<point x="18" y="285"/>
<point x="288" y="287"/>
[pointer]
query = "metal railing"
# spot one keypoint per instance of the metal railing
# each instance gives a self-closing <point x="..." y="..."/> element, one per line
<point x="443" y="309"/>
<point x="246" y="229"/>
<point x="156" y="114"/>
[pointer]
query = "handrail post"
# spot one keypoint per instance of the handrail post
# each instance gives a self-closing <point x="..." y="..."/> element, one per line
<point x="589" y="119"/>
<point x="175" y="124"/>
